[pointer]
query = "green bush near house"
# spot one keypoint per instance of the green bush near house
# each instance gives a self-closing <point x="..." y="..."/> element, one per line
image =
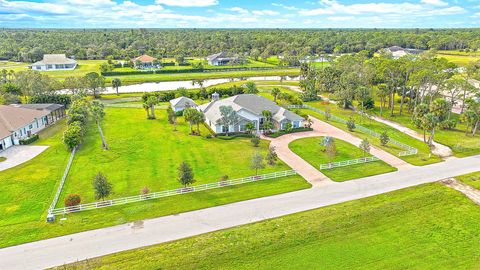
<point x="29" y="140"/>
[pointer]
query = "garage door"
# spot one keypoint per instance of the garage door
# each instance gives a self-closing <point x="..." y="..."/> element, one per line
<point x="7" y="142"/>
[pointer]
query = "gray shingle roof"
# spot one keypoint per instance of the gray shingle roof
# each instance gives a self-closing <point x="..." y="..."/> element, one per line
<point x="55" y="59"/>
<point x="252" y="103"/>
<point x="13" y="118"/>
<point x="50" y="107"/>
<point x="182" y="101"/>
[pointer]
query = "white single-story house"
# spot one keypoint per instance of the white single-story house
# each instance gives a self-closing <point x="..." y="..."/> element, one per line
<point x="145" y="61"/>
<point x="181" y="103"/>
<point x="17" y="122"/>
<point x="249" y="108"/>
<point x="219" y="59"/>
<point x="398" y="52"/>
<point x="54" y="62"/>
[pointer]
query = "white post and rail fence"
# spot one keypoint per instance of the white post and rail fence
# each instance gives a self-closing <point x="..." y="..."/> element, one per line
<point x="408" y="150"/>
<point x="168" y="193"/>
<point x="331" y="165"/>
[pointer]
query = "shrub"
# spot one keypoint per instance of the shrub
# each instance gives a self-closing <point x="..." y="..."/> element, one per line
<point x="351" y="124"/>
<point x="72" y="200"/>
<point x="29" y="140"/>
<point x="384" y="138"/>
<point x="448" y="124"/>
<point x="255" y="141"/>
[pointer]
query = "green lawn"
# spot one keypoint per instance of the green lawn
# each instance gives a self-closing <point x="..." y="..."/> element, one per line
<point x="143" y="153"/>
<point x="132" y="79"/>
<point x="84" y="67"/>
<point x="311" y="151"/>
<point x="422" y="158"/>
<point x="424" y="227"/>
<point x="459" y="58"/>
<point x="472" y="179"/>
<point x="456" y="139"/>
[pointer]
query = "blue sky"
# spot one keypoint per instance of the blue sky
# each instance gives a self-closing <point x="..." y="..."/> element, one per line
<point x="239" y="14"/>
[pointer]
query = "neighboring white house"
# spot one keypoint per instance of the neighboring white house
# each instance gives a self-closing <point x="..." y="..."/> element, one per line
<point x="316" y="59"/>
<point x="181" y="103"/>
<point x="249" y="108"/>
<point x="54" y="62"/>
<point x="398" y="52"/>
<point x="219" y="59"/>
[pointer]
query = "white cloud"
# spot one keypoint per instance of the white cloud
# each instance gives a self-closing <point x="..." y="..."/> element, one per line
<point x="188" y="3"/>
<point x="439" y="3"/>
<point x="239" y="10"/>
<point x="333" y="7"/>
<point x="284" y="6"/>
<point x="265" y="12"/>
<point x="340" y="18"/>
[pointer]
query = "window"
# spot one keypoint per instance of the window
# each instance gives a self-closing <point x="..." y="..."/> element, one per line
<point x="30" y="126"/>
<point x="243" y="127"/>
<point x="224" y="129"/>
<point x="296" y="124"/>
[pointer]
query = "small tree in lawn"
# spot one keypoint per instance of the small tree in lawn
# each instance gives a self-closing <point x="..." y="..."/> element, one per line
<point x="384" y="138"/>
<point x="330" y="149"/>
<point x="251" y="88"/>
<point x="328" y="113"/>
<point x="98" y="113"/>
<point x="189" y="114"/>
<point x="116" y="83"/>
<point x="288" y="127"/>
<point x="101" y="186"/>
<point x="271" y="156"/>
<point x="351" y="124"/>
<point x="255" y="140"/>
<point x="365" y="146"/>
<point x="257" y="162"/>
<point x="72" y="200"/>
<point x="144" y="192"/>
<point x="198" y="119"/>
<point x="172" y="117"/>
<point x="309" y="122"/>
<point x="228" y="117"/>
<point x="151" y="102"/>
<point x="185" y="174"/>
<point x="72" y="136"/>
<point x="275" y="93"/>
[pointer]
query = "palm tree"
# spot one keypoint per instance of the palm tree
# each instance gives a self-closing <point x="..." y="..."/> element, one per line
<point x="151" y="102"/>
<point x="116" y="83"/>
<point x="275" y="93"/>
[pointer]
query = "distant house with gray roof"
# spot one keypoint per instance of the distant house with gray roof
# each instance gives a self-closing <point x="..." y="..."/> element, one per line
<point x="220" y="59"/>
<point x="54" y="62"/>
<point x="398" y="52"/>
<point x="249" y="109"/>
<point x="181" y="103"/>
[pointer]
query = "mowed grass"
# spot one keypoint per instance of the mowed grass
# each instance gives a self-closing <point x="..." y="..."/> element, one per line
<point x="83" y="67"/>
<point x="423" y="227"/>
<point x="132" y="79"/>
<point x="459" y="58"/>
<point x="147" y="153"/>
<point x="462" y="145"/>
<point x="472" y="179"/>
<point x="131" y="164"/>
<point x="314" y="153"/>
<point x="424" y="157"/>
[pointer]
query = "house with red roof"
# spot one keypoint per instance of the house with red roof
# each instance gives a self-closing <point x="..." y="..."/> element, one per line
<point x="145" y="61"/>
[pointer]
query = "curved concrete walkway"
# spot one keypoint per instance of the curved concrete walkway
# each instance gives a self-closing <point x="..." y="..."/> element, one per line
<point x="320" y="128"/>
<point x="19" y="154"/>
<point x="438" y="149"/>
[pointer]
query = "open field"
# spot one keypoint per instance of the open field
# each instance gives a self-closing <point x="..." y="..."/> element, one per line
<point x="134" y="161"/>
<point x="311" y="151"/>
<point x="456" y="139"/>
<point x="84" y="67"/>
<point x="424" y="227"/>
<point x="459" y="58"/>
<point x="132" y="79"/>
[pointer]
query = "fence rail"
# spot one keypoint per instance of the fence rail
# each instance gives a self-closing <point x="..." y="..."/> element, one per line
<point x="173" y="192"/>
<point x="408" y="150"/>
<point x="62" y="181"/>
<point x="344" y="163"/>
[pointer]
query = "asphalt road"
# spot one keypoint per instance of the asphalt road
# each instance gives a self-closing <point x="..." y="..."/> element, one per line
<point x="79" y="246"/>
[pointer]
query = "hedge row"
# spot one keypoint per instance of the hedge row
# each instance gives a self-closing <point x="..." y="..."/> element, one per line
<point x="170" y="71"/>
<point x="283" y="132"/>
<point x="29" y="140"/>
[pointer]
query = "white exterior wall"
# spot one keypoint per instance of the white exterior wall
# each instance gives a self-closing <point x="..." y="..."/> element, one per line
<point x="53" y="67"/>
<point x="33" y="127"/>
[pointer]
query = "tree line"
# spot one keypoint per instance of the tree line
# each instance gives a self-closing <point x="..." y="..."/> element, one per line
<point x="30" y="45"/>
<point x="425" y="86"/>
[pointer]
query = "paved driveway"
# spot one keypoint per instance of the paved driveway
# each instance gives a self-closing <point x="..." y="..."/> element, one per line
<point x="19" y="154"/>
<point x="79" y="246"/>
<point x="320" y="128"/>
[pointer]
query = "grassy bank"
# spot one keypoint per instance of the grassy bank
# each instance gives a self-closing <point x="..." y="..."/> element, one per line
<point x="424" y="227"/>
